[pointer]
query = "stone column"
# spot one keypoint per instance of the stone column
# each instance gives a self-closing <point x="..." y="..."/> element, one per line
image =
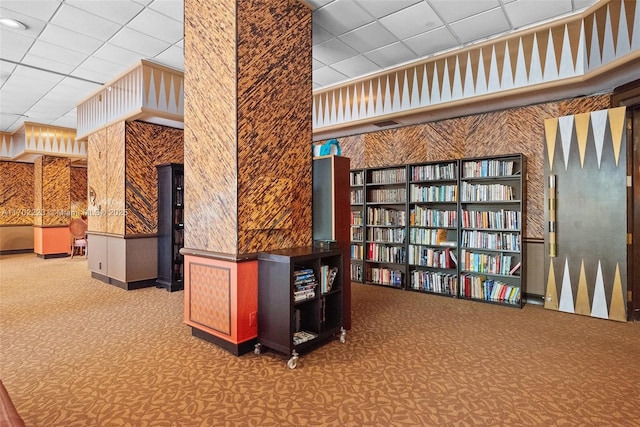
<point x="248" y="136"/>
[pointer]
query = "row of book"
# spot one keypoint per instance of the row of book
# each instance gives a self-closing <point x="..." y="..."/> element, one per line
<point x="427" y="217"/>
<point x="327" y="278"/>
<point x="356" y="272"/>
<point x="494" y="241"/>
<point x="500" y="220"/>
<point x="434" y="172"/>
<point x="486" y="192"/>
<point x="480" y="287"/>
<point x="304" y="284"/>
<point x="385" y="276"/>
<point x="357" y="197"/>
<point x="356" y="218"/>
<point x="431" y="236"/>
<point x="488" y="263"/>
<point x="388" y="176"/>
<point x="387" y="195"/>
<point x="357" y="252"/>
<point x="384" y="216"/>
<point x="382" y="253"/>
<point x="357" y="234"/>
<point x="433" y="193"/>
<point x="429" y="257"/>
<point x="489" y="168"/>
<point x="437" y="282"/>
<point x="356" y="178"/>
<point x="387" y="235"/>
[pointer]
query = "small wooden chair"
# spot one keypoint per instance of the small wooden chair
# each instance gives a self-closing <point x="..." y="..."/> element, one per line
<point x="78" y="229"/>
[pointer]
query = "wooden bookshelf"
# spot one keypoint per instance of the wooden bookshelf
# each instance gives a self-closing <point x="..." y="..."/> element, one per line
<point x="385" y="248"/>
<point x="356" y="225"/>
<point x="451" y="227"/>
<point x="170" y="227"/>
<point x="433" y="227"/>
<point x="492" y="214"/>
<point x="300" y="305"/>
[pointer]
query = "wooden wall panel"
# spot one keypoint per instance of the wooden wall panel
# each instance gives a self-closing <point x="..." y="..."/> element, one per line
<point x="210" y="147"/>
<point x="97" y="180"/>
<point x="518" y="130"/>
<point x="37" y="190"/>
<point x="16" y="193"/>
<point x="56" y="190"/>
<point x="147" y="145"/>
<point x="115" y="204"/>
<point x="78" y="191"/>
<point x="274" y="125"/>
<point x="584" y="104"/>
<point x="353" y="148"/>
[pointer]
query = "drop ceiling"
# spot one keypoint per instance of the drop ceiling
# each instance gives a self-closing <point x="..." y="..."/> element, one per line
<point x="71" y="47"/>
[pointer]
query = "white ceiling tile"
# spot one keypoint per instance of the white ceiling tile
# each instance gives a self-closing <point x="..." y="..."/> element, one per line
<point x="39" y="9"/>
<point x="391" y="55"/>
<point x="317" y="64"/>
<point x="327" y="76"/>
<point x="356" y="66"/>
<point x="526" y="12"/>
<point x="583" y="4"/>
<point x="15" y="42"/>
<point x="47" y="64"/>
<point x="481" y="26"/>
<point x="34" y="26"/>
<point x="172" y="57"/>
<point x="85" y="23"/>
<point x="117" y="54"/>
<point x="93" y="76"/>
<point x="318" y="3"/>
<point x="180" y="44"/>
<point x="341" y="16"/>
<point x="368" y="37"/>
<point x="319" y="34"/>
<point x="158" y="26"/>
<point x="172" y="8"/>
<point x="75" y="85"/>
<point x="10" y="122"/>
<point x="143" y="2"/>
<point x="380" y="8"/>
<point x="455" y="10"/>
<point x="412" y="21"/>
<point x="31" y="76"/>
<point x="69" y="39"/>
<point x="118" y="11"/>
<point x="69" y="120"/>
<point x="141" y="43"/>
<point x="102" y="66"/>
<point x="332" y="51"/>
<point x="432" y="42"/>
<point x="57" y="53"/>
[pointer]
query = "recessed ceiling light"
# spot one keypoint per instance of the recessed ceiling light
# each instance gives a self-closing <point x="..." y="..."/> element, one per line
<point x="12" y="23"/>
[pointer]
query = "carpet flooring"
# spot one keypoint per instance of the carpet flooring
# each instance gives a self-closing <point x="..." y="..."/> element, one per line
<point x="77" y="352"/>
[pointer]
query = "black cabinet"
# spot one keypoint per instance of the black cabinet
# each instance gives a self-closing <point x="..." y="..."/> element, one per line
<point x="300" y="293"/>
<point x="170" y="227"/>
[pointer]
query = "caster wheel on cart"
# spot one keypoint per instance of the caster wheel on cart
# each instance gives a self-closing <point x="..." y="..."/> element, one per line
<point x="343" y="335"/>
<point x="257" y="349"/>
<point x="293" y="362"/>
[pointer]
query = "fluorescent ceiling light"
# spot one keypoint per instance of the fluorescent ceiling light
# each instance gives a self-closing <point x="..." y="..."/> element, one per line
<point x="12" y="23"/>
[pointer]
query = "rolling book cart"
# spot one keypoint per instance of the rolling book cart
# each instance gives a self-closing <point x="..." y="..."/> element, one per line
<point x="299" y="300"/>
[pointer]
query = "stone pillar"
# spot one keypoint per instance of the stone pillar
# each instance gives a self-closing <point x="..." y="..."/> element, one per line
<point x="248" y="134"/>
<point x="52" y="207"/>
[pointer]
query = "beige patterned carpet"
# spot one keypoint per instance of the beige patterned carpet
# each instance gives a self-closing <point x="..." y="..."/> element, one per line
<point x="78" y="352"/>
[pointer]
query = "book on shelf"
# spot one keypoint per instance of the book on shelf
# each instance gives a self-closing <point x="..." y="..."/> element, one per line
<point x="303" y="336"/>
<point x="514" y="269"/>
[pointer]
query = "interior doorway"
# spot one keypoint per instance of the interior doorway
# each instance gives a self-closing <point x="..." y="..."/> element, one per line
<point x="629" y="96"/>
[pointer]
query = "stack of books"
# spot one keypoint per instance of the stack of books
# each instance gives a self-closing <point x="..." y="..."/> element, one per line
<point x="304" y="285"/>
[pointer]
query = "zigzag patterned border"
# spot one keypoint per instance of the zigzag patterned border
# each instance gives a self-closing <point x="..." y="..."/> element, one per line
<point x="568" y="49"/>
